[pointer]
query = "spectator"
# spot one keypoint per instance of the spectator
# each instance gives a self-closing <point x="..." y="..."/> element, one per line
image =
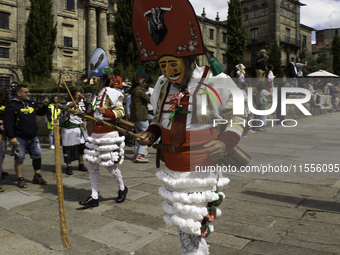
<point x="139" y="115"/>
<point x="126" y="84"/>
<point x="52" y="113"/>
<point x="116" y="81"/>
<point x="334" y="94"/>
<point x="73" y="134"/>
<point x="12" y="90"/>
<point x="21" y="127"/>
<point x="261" y="104"/>
<point x="279" y="115"/>
<point x="148" y="90"/>
<point x="292" y="73"/>
<point x="128" y="112"/>
<point x="244" y="88"/>
<point x="299" y="73"/>
<point x="261" y="64"/>
<point x="241" y="74"/>
<point x="4" y="98"/>
<point x="270" y="78"/>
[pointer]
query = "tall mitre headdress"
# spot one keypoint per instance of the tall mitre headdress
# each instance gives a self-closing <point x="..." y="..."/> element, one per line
<point x="167" y="27"/>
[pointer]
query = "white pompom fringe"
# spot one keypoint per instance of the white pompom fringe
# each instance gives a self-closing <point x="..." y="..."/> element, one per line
<point x="109" y="156"/>
<point x="196" y="197"/>
<point x="188" y="226"/>
<point x="109" y="140"/>
<point x="112" y="147"/>
<point x="91" y="152"/>
<point x="190" y="182"/>
<point x="91" y="159"/>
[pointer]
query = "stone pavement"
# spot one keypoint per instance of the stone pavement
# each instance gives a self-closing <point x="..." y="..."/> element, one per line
<point x="273" y="214"/>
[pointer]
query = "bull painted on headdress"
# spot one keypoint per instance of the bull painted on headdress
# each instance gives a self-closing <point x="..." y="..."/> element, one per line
<point x="156" y="25"/>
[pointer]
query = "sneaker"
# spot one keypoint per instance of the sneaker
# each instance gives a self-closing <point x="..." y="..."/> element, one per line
<point x="140" y="159"/>
<point x="82" y="168"/>
<point x="122" y="195"/>
<point x="52" y="147"/>
<point x="90" y="202"/>
<point x="69" y="170"/>
<point x="21" y="183"/>
<point x="244" y="134"/>
<point x="37" y="179"/>
<point x="2" y="189"/>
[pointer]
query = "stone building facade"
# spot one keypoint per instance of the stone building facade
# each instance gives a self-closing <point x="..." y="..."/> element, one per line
<point x="83" y="25"/>
<point x="214" y="34"/>
<point x="326" y="35"/>
<point x="273" y="21"/>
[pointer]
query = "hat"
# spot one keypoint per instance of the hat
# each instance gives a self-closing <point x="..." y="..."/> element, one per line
<point x="240" y="67"/>
<point x="167" y="27"/>
<point x="98" y="62"/>
<point x="140" y="76"/>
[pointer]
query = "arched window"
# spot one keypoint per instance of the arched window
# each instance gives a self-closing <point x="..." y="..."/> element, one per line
<point x="254" y="12"/>
<point x="245" y="10"/>
<point x="264" y="9"/>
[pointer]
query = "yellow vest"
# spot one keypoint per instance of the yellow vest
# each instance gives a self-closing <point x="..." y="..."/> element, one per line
<point x="53" y="116"/>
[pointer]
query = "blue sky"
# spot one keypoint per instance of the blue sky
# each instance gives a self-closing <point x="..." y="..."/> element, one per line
<point x="319" y="14"/>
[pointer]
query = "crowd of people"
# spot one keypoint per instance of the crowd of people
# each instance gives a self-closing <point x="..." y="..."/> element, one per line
<point x="139" y="110"/>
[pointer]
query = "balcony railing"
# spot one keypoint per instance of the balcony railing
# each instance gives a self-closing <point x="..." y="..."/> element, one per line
<point x="290" y="40"/>
<point x="259" y="40"/>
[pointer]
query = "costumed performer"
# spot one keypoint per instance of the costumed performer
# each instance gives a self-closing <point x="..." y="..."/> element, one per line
<point x="105" y="146"/>
<point x="73" y="134"/>
<point x="189" y="138"/>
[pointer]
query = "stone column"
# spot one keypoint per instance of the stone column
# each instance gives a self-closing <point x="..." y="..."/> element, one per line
<point x="91" y="36"/>
<point x="102" y="29"/>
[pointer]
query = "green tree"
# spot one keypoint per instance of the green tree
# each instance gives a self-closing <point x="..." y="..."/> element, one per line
<point x="236" y="36"/>
<point x="275" y="59"/>
<point x="128" y="60"/>
<point x="336" y="54"/>
<point x="322" y="62"/>
<point x="40" y="36"/>
<point x="126" y="49"/>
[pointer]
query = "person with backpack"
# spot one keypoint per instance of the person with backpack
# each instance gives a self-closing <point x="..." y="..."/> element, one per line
<point x="21" y="127"/>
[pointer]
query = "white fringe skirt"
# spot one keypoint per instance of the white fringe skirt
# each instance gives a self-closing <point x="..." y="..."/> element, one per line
<point x="105" y="149"/>
<point x="191" y="199"/>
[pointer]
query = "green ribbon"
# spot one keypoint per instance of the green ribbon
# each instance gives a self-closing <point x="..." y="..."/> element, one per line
<point x="70" y="125"/>
<point x="174" y="112"/>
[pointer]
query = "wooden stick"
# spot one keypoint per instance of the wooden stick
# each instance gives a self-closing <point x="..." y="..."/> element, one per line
<point x="106" y="124"/>
<point x="69" y="93"/>
<point x="59" y="178"/>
